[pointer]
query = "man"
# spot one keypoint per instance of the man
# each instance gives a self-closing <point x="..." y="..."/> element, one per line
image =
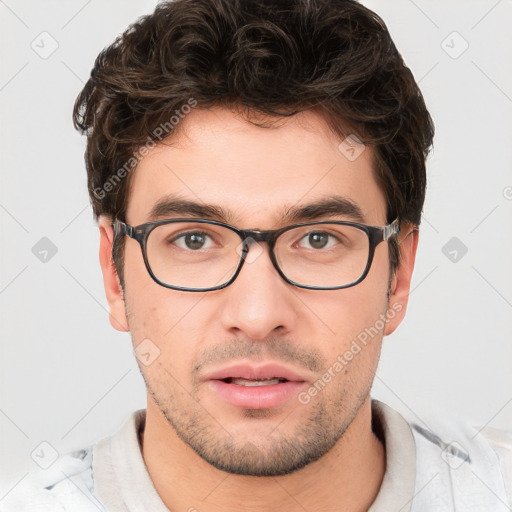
<point x="258" y="174"/>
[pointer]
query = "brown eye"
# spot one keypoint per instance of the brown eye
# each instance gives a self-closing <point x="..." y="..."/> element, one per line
<point x="193" y="241"/>
<point x="318" y="240"/>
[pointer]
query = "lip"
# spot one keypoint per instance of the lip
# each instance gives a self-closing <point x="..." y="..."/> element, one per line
<point x="255" y="397"/>
<point x="264" y="371"/>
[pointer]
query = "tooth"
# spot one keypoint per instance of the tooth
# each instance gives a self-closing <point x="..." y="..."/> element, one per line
<point x="247" y="382"/>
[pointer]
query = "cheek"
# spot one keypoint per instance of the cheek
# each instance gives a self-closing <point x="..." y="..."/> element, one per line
<point x="344" y="314"/>
<point x="164" y="324"/>
<point x="352" y="353"/>
<point x="352" y="321"/>
<point x="164" y="343"/>
<point x="153" y="310"/>
<point x="170" y="323"/>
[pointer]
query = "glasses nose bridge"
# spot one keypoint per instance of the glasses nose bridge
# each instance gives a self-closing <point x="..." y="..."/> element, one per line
<point x="252" y="236"/>
<point x="249" y="236"/>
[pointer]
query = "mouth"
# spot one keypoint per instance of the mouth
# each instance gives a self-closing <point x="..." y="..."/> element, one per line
<point x="255" y="387"/>
<point x="253" y="382"/>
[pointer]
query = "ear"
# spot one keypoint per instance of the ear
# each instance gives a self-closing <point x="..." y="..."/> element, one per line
<point x="113" y="290"/>
<point x="401" y="281"/>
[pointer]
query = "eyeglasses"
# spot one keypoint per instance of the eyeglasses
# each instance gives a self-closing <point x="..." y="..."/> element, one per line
<point x="200" y="255"/>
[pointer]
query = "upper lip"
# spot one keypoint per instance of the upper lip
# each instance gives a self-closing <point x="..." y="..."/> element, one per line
<point x="255" y="372"/>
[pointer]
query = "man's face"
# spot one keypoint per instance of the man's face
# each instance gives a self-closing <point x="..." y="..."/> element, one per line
<point x="256" y="174"/>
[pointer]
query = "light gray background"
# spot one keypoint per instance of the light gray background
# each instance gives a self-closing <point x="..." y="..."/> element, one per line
<point x="67" y="378"/>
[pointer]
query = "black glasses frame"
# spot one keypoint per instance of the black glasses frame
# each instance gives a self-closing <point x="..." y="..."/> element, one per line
<point x="376" y="235"/>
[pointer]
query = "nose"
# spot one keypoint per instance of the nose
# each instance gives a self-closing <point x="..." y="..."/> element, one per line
<point x="259" y="302"/>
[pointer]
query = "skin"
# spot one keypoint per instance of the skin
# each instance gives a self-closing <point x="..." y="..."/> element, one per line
<point x="218" y="158"/>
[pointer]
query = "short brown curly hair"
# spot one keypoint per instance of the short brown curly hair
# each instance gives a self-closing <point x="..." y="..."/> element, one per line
<point x="275" y="58"/>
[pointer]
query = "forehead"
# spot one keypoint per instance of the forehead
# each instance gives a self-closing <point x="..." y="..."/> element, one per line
<point x="254" y="174"/>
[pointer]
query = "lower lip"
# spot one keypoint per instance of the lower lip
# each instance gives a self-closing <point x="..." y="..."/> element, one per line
<point x="256" y="397"/>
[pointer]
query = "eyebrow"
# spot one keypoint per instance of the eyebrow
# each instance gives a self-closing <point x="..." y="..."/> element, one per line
<point x="332" y="206"/>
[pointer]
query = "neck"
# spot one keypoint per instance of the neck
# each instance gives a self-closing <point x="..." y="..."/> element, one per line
<point x="347" y="478"/>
